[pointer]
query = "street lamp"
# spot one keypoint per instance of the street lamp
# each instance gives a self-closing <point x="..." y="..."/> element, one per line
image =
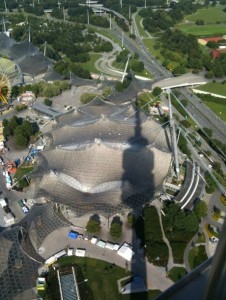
<point x="85" y="280"/>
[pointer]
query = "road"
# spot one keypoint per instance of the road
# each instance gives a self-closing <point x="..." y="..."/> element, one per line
<point x="200" y="112"/>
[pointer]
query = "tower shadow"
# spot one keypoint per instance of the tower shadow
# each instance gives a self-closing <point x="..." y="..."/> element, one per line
<point x="137" y="190"/>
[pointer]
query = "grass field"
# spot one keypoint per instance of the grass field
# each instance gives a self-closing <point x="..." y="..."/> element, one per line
<point x="141" y="30"/>
<point x="219" y="106"/>
<point x="121" y="67"/>
<point x="209" y="15"/>
<point x="204" y="30"/>
<point x="106" y="33"/>
<point x="102" y="278"/>
<point x="90" y="65"/>
<point x="149" y="44"/>
<point x="218" y="109"/>
<point x="176" y="273"/>
<point x="215" y="88"/>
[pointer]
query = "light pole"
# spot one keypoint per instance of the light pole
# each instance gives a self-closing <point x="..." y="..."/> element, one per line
<point x="85" y="280"/>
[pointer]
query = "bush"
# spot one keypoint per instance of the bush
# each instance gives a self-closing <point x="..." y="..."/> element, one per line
<point x="47" y="102"/>
<point x="87" y="97"/>
<point x="107" y="91"/>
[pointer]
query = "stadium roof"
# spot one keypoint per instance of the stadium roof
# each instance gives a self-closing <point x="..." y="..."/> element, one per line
<point x="101" y="156"/>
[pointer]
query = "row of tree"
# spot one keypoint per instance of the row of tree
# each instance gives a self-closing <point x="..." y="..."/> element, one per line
<point x="42" y="89"/>
<point x="21" y="130"/>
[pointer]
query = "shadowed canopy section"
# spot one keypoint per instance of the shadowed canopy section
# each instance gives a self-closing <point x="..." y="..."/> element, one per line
<point x="18" y="271"/>
<point x="29" y="59"/>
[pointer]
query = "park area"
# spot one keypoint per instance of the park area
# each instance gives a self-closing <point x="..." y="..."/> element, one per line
<point x="209" y="15"/>
<point x="213" y="19"/>
<point x="102" y="279"/>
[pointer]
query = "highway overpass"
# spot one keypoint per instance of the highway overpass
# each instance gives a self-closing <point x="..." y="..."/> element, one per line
<point x="181" y="81"/>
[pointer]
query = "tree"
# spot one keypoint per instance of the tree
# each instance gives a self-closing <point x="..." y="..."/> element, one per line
<point x="156" y="91"/>
<point x="20" y="140"/>
<point x="47" y="102"/>
<point x="13" y="123"/>
<point x="191" y="223"/>
<point x="131" y="219"/>
<point x="116" y="230"/>
<point x="93" y="226"/>
<point x="200" y="209"/>
<point x="208" y="132"/>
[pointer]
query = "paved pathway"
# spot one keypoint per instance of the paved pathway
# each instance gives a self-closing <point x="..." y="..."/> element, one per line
<point x="170" y="264"/>
<point x="154" y="276"/>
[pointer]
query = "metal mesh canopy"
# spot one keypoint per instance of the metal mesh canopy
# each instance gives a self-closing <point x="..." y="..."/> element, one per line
<point x="19" y="260"/>
<point x="111" y="131"/>
<point x="78" y="81"/>
<point x="18" y="271"/>
<point x="104" y="164"/>
<point x="52" y="75"/>
<point x="98" y="107"/>
<point x="34" y="64"/>
<point x="29" y="58"/>
<point x="40" y="222"/>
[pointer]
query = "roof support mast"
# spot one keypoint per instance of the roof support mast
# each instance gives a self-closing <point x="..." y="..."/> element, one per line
<point x="174" y="138"/>
<point x="126" y="66"/>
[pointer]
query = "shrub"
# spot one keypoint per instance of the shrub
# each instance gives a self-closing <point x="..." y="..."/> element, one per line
<point x="20" y="107"/>
<point x="87" y="97"/>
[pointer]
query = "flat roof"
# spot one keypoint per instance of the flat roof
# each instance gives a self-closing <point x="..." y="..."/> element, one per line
<point x="46" y="110"/>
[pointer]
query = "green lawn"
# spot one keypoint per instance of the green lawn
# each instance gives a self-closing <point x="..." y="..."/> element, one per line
<point x="140" y="28"/>
<point x="121" y="66"/>
<point x="149" y="44"/>
<point x="209" y="15"/>
<point x="215" y="88"/>
<point x="201" y="239"/>
<point x="90" y="65"/>
<point x="22" y="170"/>
<point x="196" y="256"/>
<point x="217" y="105"/>
<point x="107" y="33"/>
<point x="176" y="273"/>
<point x="102" y="278"/>
<point x="204" y="30"/>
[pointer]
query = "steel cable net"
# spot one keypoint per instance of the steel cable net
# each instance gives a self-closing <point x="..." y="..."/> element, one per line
<point x="40" y="222"/>
<point x="18" y="271"/>
<point x="78" y="81"/>
<point x="84" y="168"/>
<point x="29" y="58"/>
